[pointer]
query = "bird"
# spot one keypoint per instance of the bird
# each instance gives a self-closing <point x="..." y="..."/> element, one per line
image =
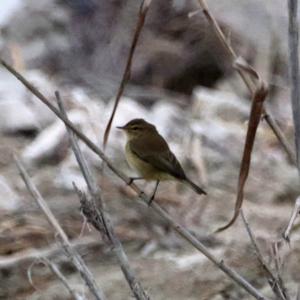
<point x="148" y="153"/>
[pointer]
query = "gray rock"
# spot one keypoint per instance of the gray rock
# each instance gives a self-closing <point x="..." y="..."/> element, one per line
<point x="19" y="111"/>
<point x="52" y="141"/>
<point x="9" y="199"/>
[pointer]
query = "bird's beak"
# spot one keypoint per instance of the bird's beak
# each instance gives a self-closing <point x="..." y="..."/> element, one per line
<point x="121" y="127"/>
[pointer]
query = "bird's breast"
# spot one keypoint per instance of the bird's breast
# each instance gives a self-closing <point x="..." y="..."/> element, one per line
<point x="146" y="170"/>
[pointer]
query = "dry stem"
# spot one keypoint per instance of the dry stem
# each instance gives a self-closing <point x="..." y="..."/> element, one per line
<point x="247" y="80"/>
<point x="275" y="284"/>
<point x="126" y="75"/>
<point x="73" y="254"/>
<point x="99" y="218"/>
<point x="163" y="214"/>
<point x="294" y="72"/>
<point x="295" y="93"/>
<point x="55" y="270"/>
<point x="295" y="213"/>
<point x="28" y="256"/>
<point x="259" y="97"/>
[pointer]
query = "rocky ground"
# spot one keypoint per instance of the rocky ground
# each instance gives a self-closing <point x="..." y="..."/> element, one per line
<point x="204" y="121"/>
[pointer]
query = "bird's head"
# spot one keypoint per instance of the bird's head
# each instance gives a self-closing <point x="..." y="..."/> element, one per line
<point x="137" y="128"/>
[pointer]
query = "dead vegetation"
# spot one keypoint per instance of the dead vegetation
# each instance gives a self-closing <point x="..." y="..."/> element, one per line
<point x="252" y="258"/>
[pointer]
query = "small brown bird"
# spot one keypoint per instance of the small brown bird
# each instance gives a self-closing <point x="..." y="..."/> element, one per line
<point x="149" y="154"/>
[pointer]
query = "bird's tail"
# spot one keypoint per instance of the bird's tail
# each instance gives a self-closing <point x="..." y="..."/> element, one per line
<point x="195" y="187"/>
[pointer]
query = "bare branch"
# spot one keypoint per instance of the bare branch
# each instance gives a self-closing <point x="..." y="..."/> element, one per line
<point x="55" y="270"/>
<point x="294" y="72"/>
<point x="126" y="75"/>
<point x="280" y="136"/>
<point x="163" y="214"/>
<point x="293" y="38"/>
<point x="295" y="213"/>
<point x="247" y="80"/>
<point x="29" y="274"/>
<point x="73" y="254"/>
<point x="278" y="263"/>
<point x="99" y="218"/>
<point x="275" y="284"/>
<point x="28" y="256"/>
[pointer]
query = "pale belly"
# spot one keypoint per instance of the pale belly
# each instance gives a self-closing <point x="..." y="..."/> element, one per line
<point x="144" y="169"/>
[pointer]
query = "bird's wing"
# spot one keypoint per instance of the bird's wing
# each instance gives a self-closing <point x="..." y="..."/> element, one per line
<point x="157" y="154"/>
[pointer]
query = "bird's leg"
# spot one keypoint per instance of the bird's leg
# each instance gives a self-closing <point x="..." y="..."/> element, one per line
<point x="154" y="192"/>
<point x="132" y="179"/>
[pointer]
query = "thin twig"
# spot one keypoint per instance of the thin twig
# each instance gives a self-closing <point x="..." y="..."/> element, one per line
<point x="73" y="254"/>
<point x="294" y="72"/>
<point x="295" y="93"/>
<point x="29" y="273"/>
<point x="280" y="136"/>
<point x="295" y="213"/>
<point x="126" y="75"/>
<point x="220" y="34"/>
<point x="278" y="263"/>
<point x="28" y="256"/>
<point x="275" y="284"/>
<point x="101" y="217"/>
<point x="55" y="270"/>
<point x="163" y="214"/>
<point x="247" y="80"/>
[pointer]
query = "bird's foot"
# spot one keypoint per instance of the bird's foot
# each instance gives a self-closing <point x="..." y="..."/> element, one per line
<point x="151" y="199"/>
<point x="154" y="192"/>
<point x="131" y="180"/>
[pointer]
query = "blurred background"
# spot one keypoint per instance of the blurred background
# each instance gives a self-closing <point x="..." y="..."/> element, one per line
<point x="182" y="80"/>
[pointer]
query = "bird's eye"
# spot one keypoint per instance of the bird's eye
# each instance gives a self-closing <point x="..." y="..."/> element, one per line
<point x="135" y="128"/>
